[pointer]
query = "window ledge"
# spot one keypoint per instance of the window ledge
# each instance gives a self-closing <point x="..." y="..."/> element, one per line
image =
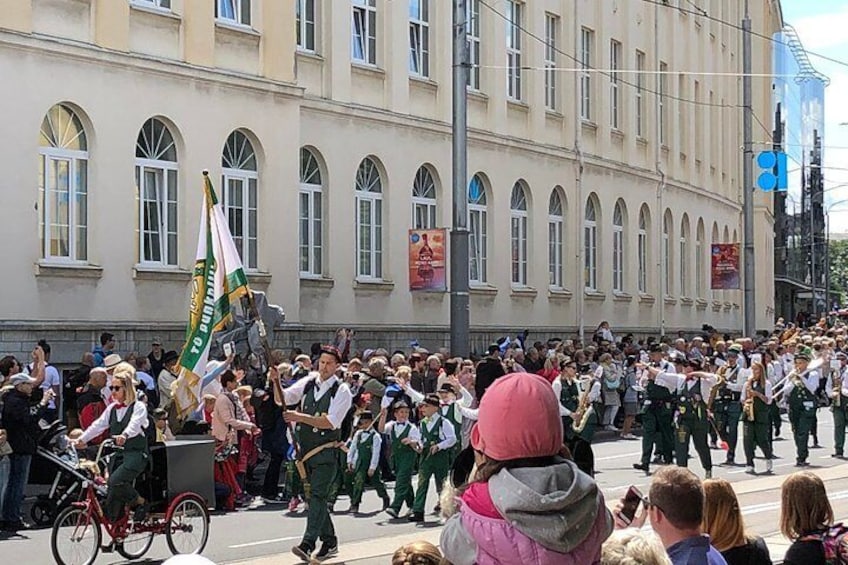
<point x="621" y="297"/>
<point x="366" y="69"/>
<point x="664" y="149"/>
<point x="594" y="295"/>
<point x="68" y="270"/>
<point x="617" y="134"/>
<point x="154" y="10"/>
<point x="519" y="105"/>
<point x="424" y="82"/>
<point x="641" y="140"/>
<point x="157" y="273"/>
<point x="553" y="114"/>
<point x="716" y="305"/>
<point x="477" y="95"/>
<point x="373" y="285"/>
<point x="235" y="27"/>
<point x="646" y="299"/>
<point x="670" y="300"/>
<point x="523" y="292"/>
<point x="557" y="293"/>
<point x="701" y="304"/>
<point x="305" y="54"/>
<point x="316" y="282"/>
<point x="686" y="301"/>
<point x="483" y="289"/>
<point x="258" y="277"/>
<point x="588" y="124"/>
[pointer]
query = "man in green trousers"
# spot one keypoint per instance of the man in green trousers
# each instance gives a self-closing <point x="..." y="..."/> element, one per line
<point x="437" y="439"/>
<point x="727" y="405"/>
<point x="837" y="390"/>
<point x="324" y="403"/>
<point x="657" y="426"/>
<point x="405" y="437"/>
<point x="801" y="388"/>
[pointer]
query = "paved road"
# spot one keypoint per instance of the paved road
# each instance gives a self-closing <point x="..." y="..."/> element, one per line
<point x="263" y="535"/>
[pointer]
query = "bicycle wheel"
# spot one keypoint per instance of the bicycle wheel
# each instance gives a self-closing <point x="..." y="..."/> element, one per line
<point x="188" y="527"/>
<point x="42" y="512"/>
<point x="75" y="538"/>
<point x="135" y="545"/>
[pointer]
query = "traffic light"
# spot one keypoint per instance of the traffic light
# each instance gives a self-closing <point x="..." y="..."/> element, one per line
<point x="773" y="174"/>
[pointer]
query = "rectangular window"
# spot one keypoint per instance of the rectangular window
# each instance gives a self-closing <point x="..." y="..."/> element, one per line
<point x="369" y="240"/>
<point x="305" y="25"/>
<point x="643" y="261"/>
<point x="555" y="250"/>
<point x="518" y="225"/>
<point x="699" y="268"/>
<point x="618" y="259"/>
<point x="513" y="49"/>
<point x="615" y="66"/>
<point x="478" y="243"/>
<point x="590" y="251"/>
<point x="233" y="11"/>
<point x="364" y="32"/>
<point x="551" y="27"/>
<point x="667" y="263"/>
<point x="683" y="259"/>
<point x="640" y="90"/>
<point x="157" y="189"/>
<point x="63" y="180"/>
<point x="698" y="127"/>
<point x="472" y="34"/>
<point x="682" y="129"/>
<point x="240" y="205"/>
<point x="311" y="231"/>
<point x="419" y="37"/>
<point x="587" y="39"/>
<point x="662" y="115"/>
<point x="423" y="214"/>
<point x="161" y="4"/>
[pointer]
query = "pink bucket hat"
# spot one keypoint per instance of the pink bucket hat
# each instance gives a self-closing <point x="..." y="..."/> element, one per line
<point x="519" y="418"/>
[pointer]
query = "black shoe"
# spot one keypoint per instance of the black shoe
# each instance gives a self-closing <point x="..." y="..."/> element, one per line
<point x="657" y="460"/>
<point x="386" y="503"/>
<point x="392" y="512"/>
<point x="800" y="463"/>
<point x="640" y="467"/>
<point x="327" y="551"/>
<point x="837" y="456"/>
<point x="17" y="525"/>
<point x="416" y="517"/>
<point x="437" y="509"/>
<point x="303" y="551"/>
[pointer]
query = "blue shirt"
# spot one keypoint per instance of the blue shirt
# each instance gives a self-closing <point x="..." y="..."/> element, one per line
<point x="695" y="551"/>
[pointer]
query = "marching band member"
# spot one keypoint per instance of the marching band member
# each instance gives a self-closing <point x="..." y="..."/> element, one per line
<point x="756" y="402"/>
<point x="726" y="405"/>
<point x="800" y="390"/>
<point x="656" y="412"/>
<point x="404" y="436"/>
<point x="837" y="389"/>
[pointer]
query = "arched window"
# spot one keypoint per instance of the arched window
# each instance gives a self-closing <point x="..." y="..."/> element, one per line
<point x="156" y="182"/>
<point x="240" y="180"/>
<point x="518" y="234"/>
<point x="618" y="247"/>
<point x="63" y="185"/>
<point x="555" y="230"/>
<point x="311" y="215"/>
<point x="477" y="230"/>
<point x="684" y="256"/>
<point x="424" y="200"/>
<point x="369" y="221"/>
<point x="666" y="259"/>
<point x="642" y="243"/>
<point x="590" y="246"/>
<point x="699" y="260"/>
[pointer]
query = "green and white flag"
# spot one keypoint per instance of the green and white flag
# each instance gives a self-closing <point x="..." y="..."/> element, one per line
<point x="218" y="282"/>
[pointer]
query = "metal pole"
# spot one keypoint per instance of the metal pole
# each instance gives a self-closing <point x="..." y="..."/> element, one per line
<point x="827" y="263"/>
<point x="750" y="311"/>
<point x="813" y="301"/>
<point x="459" y="308"/>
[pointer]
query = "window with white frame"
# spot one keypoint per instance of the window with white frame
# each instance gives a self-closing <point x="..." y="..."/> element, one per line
<point x="551" y="40"/>
<point x="666" y="258"/>
<point x="684" y="258"/>
<point x="424" y="200"/>
<point x="615" y="65"/>
<point x="682" y="117"/>
<point x="472" y="35"/>
<point x="590" y="246"/>
<point x="518" y="234"/>
<point x="618" y="248"/>
<point x="419" y="37"/>
<point x="587" y="39"/>
<point x="305" y="25"/>
<point x="63" y="186"/>
<point x="513" y="49"/>
<point x="477" y="230"/>
<point x="699" y="263"/>
<point x="234" y="11"/>
<point x="156" y="180"/>
<point x="160" y="4"/>
<point x="663" y="105"/>
<point x="311" y="215"/>
<point x="640" y="92"/>
<point x="364" y="31"/>
<point x="556" y="221"/>
<point x="369" y="221"/>
<point x="240" y="179"/>
<point x="642" y="242"/>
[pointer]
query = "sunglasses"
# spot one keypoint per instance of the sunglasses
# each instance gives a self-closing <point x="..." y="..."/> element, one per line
<point x="115" y="388"/>
<point x="648" y="504"/>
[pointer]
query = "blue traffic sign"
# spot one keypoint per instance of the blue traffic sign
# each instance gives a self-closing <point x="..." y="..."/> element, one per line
<point x="773" y="175"/>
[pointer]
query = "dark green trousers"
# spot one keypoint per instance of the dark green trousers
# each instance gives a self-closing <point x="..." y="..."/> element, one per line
<point x="437" y="466"/>
<point x="727" y="416"/>
<point x="404" y="465"/>
<point x="839" y="423"/>
<point x="802" y="425"/>
<point x="321" y="471"/>
<point x="657" y="427"/>
<point x="361" y="480"/>
<point x="774" y="418"/>
<point x="756" y="434"/>
<point x="697" y="430"/>
<point x="126" y="467"/>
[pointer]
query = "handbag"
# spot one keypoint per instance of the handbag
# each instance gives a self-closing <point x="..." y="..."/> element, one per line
<point x="5" y="448"/>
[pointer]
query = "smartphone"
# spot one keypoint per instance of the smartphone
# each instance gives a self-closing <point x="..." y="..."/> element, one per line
<point x="228" y="348"/>
<point x="632" y="500"/>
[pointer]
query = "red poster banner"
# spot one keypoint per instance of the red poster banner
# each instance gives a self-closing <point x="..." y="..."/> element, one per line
<point x="725" y="266"/>
<point x="427" y="260"/>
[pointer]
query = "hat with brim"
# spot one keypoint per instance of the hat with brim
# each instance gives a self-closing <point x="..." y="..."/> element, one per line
<point x="399" y="405"/>
<point x="447" y="387"/>
<point x="111" y="361"/>
<point x="432" y="400"/>
<point x="805" y="354"/>
<point x="331" y="350"/>
<point x="170" y="356"/>
<point x="157" y="341"/>
<point x="21" y="379"/>
<point x="366" y="415"/>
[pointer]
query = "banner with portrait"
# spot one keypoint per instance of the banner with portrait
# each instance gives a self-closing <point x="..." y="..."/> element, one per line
<point x="427" y="260"/>
<point x="724" y="266"/>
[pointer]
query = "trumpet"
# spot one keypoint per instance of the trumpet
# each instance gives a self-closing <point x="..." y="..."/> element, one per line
<point x="795" y="377"/>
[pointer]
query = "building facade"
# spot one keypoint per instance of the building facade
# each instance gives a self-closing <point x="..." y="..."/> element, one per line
<point x="604" y="159"/>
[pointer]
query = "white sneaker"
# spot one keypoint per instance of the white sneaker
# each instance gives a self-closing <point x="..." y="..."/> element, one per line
<point x="769" y="465"/>
<point x="750" y="470"/>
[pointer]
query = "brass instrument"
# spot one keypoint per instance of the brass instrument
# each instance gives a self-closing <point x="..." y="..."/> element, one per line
<point x="795" y="377"/>
<point x="721" y="380"/>
<point x="748" y="405"/>
<point x="837" y="388"/>
<point x="584" y="410"/>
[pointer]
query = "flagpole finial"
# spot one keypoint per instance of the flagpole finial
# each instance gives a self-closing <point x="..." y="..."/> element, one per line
<point x="205" y="172"/>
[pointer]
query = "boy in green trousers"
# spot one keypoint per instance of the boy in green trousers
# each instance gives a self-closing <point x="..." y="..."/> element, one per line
<point x="405" y="438"/>
<point x="363" y="460"/>
<point x="437" y="439"/>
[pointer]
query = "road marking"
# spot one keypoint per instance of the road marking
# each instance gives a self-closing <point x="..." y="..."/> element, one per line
<point x="757" y="508"/>
<point x="262" y="542"/>
<point x="620" y="456"/>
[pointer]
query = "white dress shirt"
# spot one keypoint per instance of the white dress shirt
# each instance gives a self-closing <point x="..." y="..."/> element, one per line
<point x="446" y="433"/>
<point x="138" y="421"/>
<point x="675" y="382"/>
<point x="339" y="405"/>
<point x="396" y="429"/>
<point x="376" y="443"/>
<point x="557" y="386"/>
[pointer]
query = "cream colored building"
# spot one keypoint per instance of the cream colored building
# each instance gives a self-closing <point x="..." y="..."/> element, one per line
<point x="326" y="127"/>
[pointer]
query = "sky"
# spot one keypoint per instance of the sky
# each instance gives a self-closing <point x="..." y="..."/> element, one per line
<point x="822" y="26"/>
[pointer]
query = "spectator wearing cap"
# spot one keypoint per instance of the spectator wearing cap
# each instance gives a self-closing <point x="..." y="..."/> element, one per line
<point x="800" y="390"/>
<point x="727" y="405"/>
<point x="692" y="389"/>
<point x="22" y="430"/>
<point x="104" y="348"/>
<point x="324" y="402"/>
<point x="525" y="503"/>
<point x="155" y="357"/>
<point x="405" y="437"/>
<point x="437" y="439"/>
<point x="837" y="389"/>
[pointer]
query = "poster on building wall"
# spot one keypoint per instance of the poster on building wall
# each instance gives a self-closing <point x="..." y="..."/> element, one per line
<point x="427" y="260"/>
<point x="725" y="266"/>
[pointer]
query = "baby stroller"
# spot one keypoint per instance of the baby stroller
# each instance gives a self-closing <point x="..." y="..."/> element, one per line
<point x="59" y="470"/>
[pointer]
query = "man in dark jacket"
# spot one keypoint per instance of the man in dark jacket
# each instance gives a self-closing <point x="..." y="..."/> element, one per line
<point x="488" y="370"/>
<point x="21" y="422"/>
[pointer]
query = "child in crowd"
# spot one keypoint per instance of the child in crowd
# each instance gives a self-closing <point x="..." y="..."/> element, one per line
<point x="363" y="460"/>
<point x="404" y="436"/>
<point x="417" y="553"/>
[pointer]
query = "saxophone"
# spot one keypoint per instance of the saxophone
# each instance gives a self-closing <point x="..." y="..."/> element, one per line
<point x="584" y="410"/>
<point x="748" y="406"/>
<point x="720" y="382"/>
<point x="837" y="388"/>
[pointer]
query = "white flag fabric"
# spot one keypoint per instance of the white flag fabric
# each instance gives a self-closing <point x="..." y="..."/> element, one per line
<point x="218" y="281"/>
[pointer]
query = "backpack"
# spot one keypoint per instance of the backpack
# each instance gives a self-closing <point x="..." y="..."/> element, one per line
<point x="835" y="543"/>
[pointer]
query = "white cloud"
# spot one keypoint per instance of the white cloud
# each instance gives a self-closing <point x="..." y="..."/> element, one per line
<point x="823" y="31"/>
